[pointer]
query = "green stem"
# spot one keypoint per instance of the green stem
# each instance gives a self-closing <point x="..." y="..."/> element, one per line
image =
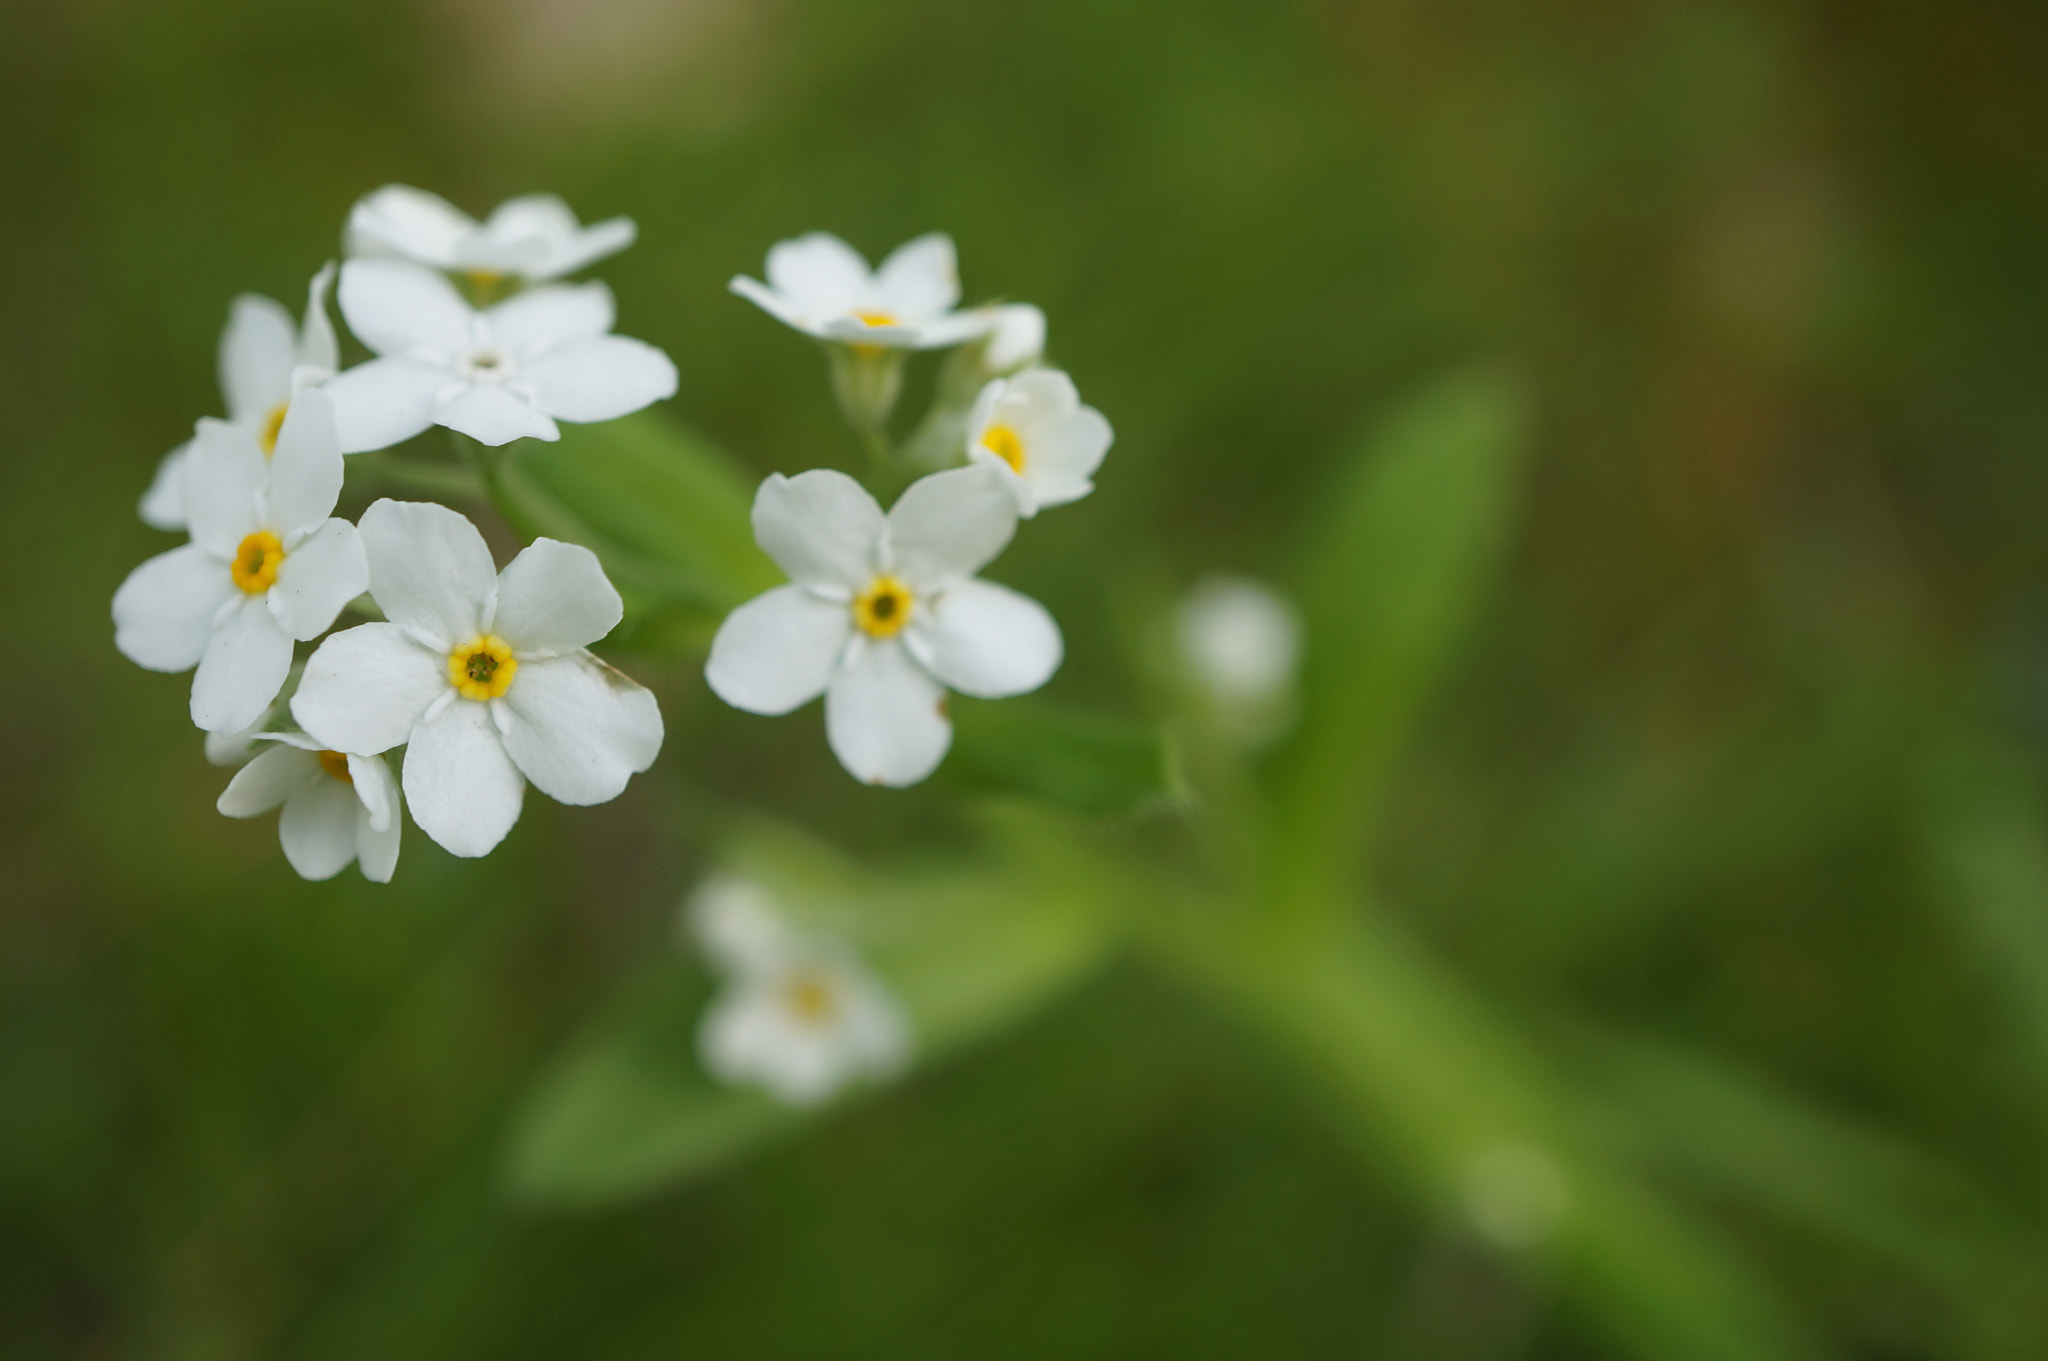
<point x="421" y="475"/>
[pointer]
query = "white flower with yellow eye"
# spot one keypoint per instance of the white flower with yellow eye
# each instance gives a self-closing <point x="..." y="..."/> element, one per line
<point x="337" y="808"/>
<point x="266" y="565"/>
<point x="483" y="674"/>
<point x="800" y="1015"/>
<point x="824" y="288"/>
<point x="1034" y="432"/>
<point x="535" y="238"/>
<point x="262" y="361"/>
<point x="882" y="615"/>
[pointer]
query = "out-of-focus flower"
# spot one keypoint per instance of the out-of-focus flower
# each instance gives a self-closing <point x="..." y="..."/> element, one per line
<point x="495" y="375"/>
<point x="484" y="674"/>
<point x="1516" y="1196"/>
<point x="1034" y="432"/>
<point x="800" y="1015"/>
<point x="262" y="361"/>
<point x="535" y="238"/>
<point x="266" y="565"/>
<point x="881" y="615"/>
<point x="1240" y="642"/>
<point x="824" y="288"/>
<point x="337" y="807"/>
<point x="1016" y="338"/>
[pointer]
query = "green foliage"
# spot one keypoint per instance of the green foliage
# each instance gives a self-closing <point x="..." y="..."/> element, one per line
<point x="1083" y="762"/>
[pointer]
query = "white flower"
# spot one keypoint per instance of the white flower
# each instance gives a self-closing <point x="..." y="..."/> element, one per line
<point x="1240" y="641"/>
<point x="800" y="1014"/>
<point x="1016" y="338"/>
<point x="262" y="361"/>
<point x="266" y="565"/>
<point x="882" y="615"/>
<point x="337" y="807"/>
<point x="1034" y="432"/>
<point x="483" y="674"/>
<point x="535" y="238"/>
<point x="822" y="286"/>
<point x="510" y="370"/>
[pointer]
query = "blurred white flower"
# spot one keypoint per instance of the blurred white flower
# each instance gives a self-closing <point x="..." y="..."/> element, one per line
<point x="510" y="370"/>
<point x="266" y="565"/>
<point x="823" y="287"/>
<point x="337" y="807"/>
<point x="800" y="1015"/>
<point x="1033" y="432"/>
<point x="484" y="674"/>
<point x="1516" y="1195"/>
<point x="881" y="615"/>
<point x="262" y="361"/>
<point x="1016" y="338"/>
<point x="535" y="238"/>
<point x="1240" y="642"/>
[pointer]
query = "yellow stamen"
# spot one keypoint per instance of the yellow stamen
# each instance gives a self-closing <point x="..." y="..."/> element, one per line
<point x="336" y="765"/>
<point x="256" y="562"/>
<point x="482" y="668"/>
<point x="1002" y="441"/>
<point x="483" y="284"/>
<point x="875" y="318"/>
<point x="883" y="608"/>
<point x="274" y="422"/>
<point x="812" y="997"/>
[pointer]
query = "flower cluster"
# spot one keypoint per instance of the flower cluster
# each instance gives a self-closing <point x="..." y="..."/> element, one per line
<point x="483" y="676"/>
<point x="884" y="613"/>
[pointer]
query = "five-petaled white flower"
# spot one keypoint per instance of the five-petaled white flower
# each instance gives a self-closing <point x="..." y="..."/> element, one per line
<point x="1034" y="432"/>
<point x="535" y="238"/>
<point x="800" y="1014"/>
<point x="262" y="360"/>
<point x="483" y="674"/>
<point x="882" y="614"/>
<point x="266" y="565"/>
<point x="510" y="370"/>
<point x="823" y="287"/>
<point x="337" y="807"/>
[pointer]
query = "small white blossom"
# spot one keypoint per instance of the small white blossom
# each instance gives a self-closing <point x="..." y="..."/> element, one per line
<point x="262" y="361"/>
<point x="800" y="1015"/>
<point x="266" y="565"/>
<point x="823" y="287"/>
<point x="881" y="615"/>
<point x="1240" y="642"/>
<point x="337" y="808"/>
<point x="535" y="238"/>
<point x="483" y="674"/>
<point x="498" y="374"/>
<point x="1016" y="338"/>
<point x="1034" y="432"/>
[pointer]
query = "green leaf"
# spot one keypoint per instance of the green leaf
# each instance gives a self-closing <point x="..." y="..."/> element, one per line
<point x="1083" y="762"/>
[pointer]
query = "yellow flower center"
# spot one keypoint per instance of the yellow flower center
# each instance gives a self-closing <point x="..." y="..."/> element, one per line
<point x="875" y="318"/>
<point x="883" y="608"/>
<point x="274" y="422"/>
<point x="256" y="562"/>
<point x="484" y="284"/>
<point x="336" y="765"/>
<point x="811" y="997"/>
<point x="1002" y="441"/>
<point x="482" y="668"/>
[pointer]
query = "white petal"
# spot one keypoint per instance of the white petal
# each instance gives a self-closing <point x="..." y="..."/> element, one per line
<point x="318" y="347"/>
<point x="543" y="217"/>
<point x="886" y="719"/>
<point x="1041" y="393"/>
<point x="376" y="789"/>
<point x="318" y="827"/>
<point x="949" y="525"/>
<point x="163" y="505"/>
<point x="987" y="640"/>
<point x="429" y="568"/>
<point x="492" y="415"/>
<point x="243" y="668"/>
<point x="1072" y="449"/>
<point x="401" y="220"/>
<point x="270" y="778"/>
<point x="821" y="527"/>
<point x="579" y="729"/>
<point x="819" y="273"/>
<point x="555" y="597"/>
<point x="322" y="574"/>
<point x="588" y="246"/>
<point x="257" y="351"/>
<point x="395" y="307"/>
<point x="384" y="402"/>
<point x="599" y="379"/>
<point x="225" y="478"/>
<point x="541" y="318"/>
<point x="1021" y="490"/>
<point x="737" y="923"/>
<point x="377" y="848"/>
<point x="920" y="279"/>
<point x="777" y="651"/>
<point x="1016" y="337"/>
<point x="785" y="310"/>
<point x="366" y="687"/>
<point x="305" y="468"/>
<point x="461" y="785"/>
<point x="163" y="613"/>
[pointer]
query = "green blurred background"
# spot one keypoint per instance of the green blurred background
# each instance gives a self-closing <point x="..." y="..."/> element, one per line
<point x="1741" y="760"/>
